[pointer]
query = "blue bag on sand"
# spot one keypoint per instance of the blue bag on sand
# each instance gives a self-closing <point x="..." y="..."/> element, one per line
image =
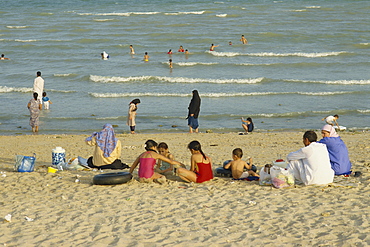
<point x="25" y="163"/>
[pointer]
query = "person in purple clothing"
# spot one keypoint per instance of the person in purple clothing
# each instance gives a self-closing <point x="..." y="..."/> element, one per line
<point x="338" y="152"/>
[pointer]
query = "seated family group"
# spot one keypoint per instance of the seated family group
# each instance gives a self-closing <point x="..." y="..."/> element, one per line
<point x="316" y="163"/>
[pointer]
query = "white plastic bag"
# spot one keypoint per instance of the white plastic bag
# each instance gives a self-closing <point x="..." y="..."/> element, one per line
<point x="281" y="178"/>
<point x="265" y="177"/>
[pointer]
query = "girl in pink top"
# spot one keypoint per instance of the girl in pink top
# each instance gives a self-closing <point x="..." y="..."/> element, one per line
<point x="147" y="161"/>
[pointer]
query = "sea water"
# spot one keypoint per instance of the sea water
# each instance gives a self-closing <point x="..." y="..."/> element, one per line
<point x="304" y="60"/>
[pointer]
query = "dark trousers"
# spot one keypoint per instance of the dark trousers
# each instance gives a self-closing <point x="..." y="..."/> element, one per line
<point x="117" y="164"/>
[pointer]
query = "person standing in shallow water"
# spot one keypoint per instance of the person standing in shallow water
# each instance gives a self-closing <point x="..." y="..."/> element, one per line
<point x="34" y="105"/>
<point x="132" y="114"/>
<point x="194" y="109"/>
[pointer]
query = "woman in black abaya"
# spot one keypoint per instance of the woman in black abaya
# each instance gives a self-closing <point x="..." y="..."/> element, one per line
<point x="194" y="108"/>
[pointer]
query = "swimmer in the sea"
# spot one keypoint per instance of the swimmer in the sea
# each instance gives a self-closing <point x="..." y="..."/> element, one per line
<point x="132" y="51"/>
<point x="170" y="63"/>
<point x="104" y="55"/>
<point x="146" y="57"/>
<point x="230" y="43"/>
<point x="3" y="57"/>
<point x="244" y="40"/>
<point x="181" y="49"/>
<point x="169" y="52"/>
<point x="213" y="47"/>
<point x="186" y="51"/>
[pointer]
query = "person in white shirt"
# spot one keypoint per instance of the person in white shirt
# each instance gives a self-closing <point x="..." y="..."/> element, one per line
<point x="311" y="164"/>
<point x="38" y="85"/>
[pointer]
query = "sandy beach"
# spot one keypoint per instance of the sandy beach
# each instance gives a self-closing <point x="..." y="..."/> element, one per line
<point x="54" y="210"/>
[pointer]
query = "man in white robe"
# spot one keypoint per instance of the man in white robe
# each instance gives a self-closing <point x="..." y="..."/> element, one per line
<point x="311" y="164"/>
<point x="38" y="86"/>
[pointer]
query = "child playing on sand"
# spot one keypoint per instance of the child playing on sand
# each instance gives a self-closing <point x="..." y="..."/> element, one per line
<point x="201" y="165"/>
<point x="163" y="166"/>
<point x="237" y="165"/>
<point x="46" y="101"/>
<point x="147" y="161"/>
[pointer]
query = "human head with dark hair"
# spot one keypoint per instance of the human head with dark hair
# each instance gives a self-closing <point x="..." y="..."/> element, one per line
<point x="35" y="95"/>
<point x="238" y="152"/>
<point x="336" y="116"/>
<point x="151" y="145"/>
<point x="308" y="137"/>
<point x="162" y="145"/>
<point x="195" y="145"/>
<point x="135" y="101"/>
<point x="250" y="119"/>
<point x="38" y="73"/>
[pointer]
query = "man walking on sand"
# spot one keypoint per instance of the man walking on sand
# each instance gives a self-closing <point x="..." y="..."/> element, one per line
<point x="38" y="85"/>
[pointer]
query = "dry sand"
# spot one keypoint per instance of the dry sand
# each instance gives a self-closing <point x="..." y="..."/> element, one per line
<point x="221" y="212"/>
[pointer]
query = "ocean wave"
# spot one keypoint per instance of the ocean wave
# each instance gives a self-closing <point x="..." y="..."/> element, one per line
<point x="210" y="95"/>
<point x="313" y="7"/>
<point x="193" y="63"/>
<point x="107" y="79"/>
<point x="16" y="27"/>
<point x="26" y="40"/>
<point x="120" y="14"/>
<point x="64" y="75"/>
<point x="221" y="15"/>
<point x="340" y="82"/>
<point x="102" y="20"/>
<point x="299" y="10"/>
<point x="364" y="111"/>
<point x="5" y="89"/>
<point x="272" y="54"/>
<point x="186" y="13"/>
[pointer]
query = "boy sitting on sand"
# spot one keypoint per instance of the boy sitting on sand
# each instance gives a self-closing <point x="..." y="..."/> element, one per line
<point x="237" y="165"/>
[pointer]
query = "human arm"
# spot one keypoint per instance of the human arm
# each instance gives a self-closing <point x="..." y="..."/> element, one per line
<point x="300" y="154"/>
<point x="164" y="158"/>
<point x="228" y="165"/>
<point x="134" y="165"/>
<point x="248" y="166"/>
<point x="337" y="124"/>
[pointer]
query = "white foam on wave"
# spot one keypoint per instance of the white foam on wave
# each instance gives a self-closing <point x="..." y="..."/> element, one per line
<point x="25" y="40"/>
<point x="107" y="79"/>
<point x="340" y="82"/>
<point x="120" y="14"/>
<point x="322" y="93"/>
<point x="207" y="95"/>
<point x="5" y="89"/>
<point x="298" y="10"/>
<point x="102" y="20"/>
<point x="186" y="13"/>
<point x="272" y="54"/>
<point x="364" y="111"/>
<point x="313" y="7"/>
<point x="221" y="15"/>
<point x="62" y="75"/>
<point x="194" y="63"/>
<point x="224" y="54"/>
<point x="16" y="27"/>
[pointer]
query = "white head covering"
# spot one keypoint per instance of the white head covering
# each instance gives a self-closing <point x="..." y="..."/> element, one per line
<point x="331" y="130"/>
